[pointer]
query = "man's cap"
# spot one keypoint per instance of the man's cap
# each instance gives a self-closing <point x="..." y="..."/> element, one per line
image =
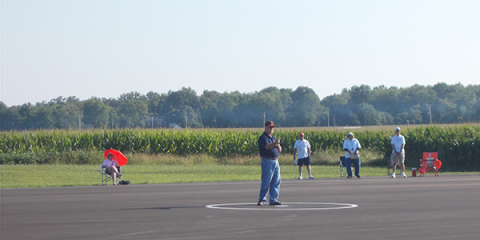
<point x="397" y="129"/>
<point x="110" y="154"/>
<point x="269" y="124"/>
<point x="302" y="134"/>
<point x="350" y="134"/>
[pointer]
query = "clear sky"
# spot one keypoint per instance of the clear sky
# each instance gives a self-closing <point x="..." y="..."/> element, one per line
<point x="104" y="48"/>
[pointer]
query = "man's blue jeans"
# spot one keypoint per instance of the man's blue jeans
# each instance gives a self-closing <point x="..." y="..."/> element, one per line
<point x="356" y="165"/>
<point x="270" y="178"/>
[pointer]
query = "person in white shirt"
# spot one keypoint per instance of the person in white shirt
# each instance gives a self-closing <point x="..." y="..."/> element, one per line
<point x="398" y="153"/>
<point x="111" y="167"/>
<point x="302" y="150"/>
<point x="351" y="147"/>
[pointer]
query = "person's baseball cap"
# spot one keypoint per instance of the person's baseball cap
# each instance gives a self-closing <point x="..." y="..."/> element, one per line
<point x="269" y="124"/>
<point x="397" y="129"/>
<point x="350" y="134"/>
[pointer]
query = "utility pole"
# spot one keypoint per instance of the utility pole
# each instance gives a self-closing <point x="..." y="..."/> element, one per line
<point x="365" y="118"/>
<point x="328" y="119"/>
<point x="430" y="108"/>
<point x="263" y="118"/>
<point x="334" y="120"/>
<point x="79" y="122"/>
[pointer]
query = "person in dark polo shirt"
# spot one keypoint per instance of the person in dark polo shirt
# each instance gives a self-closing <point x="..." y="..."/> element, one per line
<point x="269" y="147"/>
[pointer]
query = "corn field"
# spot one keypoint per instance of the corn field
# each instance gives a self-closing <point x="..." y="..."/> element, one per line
<point x="458" y="146"/>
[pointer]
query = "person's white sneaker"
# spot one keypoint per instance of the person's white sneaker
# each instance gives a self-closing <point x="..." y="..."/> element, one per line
<point x="404" y="175"/>
<point x="300" y="178"/>
<point x="310" y="177"/>
<point x="393" y="175"/>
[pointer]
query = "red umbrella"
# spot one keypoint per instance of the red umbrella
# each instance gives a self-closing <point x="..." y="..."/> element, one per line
<point x="117" y="155"/>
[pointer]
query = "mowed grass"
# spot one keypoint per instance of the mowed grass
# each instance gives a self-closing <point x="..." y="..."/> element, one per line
<point x="32" y="176"/>
<point x="168" y="168"/>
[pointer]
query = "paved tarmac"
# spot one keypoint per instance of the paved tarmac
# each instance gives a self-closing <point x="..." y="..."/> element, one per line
<point x="444" y="207"/>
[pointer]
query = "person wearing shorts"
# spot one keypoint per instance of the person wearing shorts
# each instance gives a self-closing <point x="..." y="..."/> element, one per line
<point x="302" y="150"/>
<point x="398" y="152"/>
<point x="111" y="167"/>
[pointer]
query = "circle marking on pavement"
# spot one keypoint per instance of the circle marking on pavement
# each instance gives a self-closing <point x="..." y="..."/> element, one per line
<point x="287" y="206"/>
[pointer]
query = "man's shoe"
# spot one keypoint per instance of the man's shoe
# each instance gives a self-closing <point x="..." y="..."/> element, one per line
<point x="261" y="202"/>
<point x="404" y="175"/>
<point x="310" y="177"/>
<point x="349" y="177"/>
<point x="393" y="175"/>
<point x="358" y="176"/>
<point x="300" y="178"/>
<point x="276" y="203"/>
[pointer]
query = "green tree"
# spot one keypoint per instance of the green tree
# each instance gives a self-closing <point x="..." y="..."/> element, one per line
<point x="66" y="112"/>
<point x="97" y="113"/>
<point x="305" y="109"/>
<point x="209" y="108"/>
<point x="413" y="115"/>
<point x="132" y="110"/>
<point x="368" y="115"/>
<point x="182" y="104"/>
<point x="26" y="114"/>
<point x="360" y="94"/>
<point x="338" y="109"/>
<point x="190" y="118"/>
<point x="43" y="116"/>
<point x="156" y="103"/>
<point x="8" y="117"/>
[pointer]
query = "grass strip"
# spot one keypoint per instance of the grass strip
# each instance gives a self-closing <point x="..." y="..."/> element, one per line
<point x="32" y="176"/>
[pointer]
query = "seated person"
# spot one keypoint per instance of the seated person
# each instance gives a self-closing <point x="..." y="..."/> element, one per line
<point x="111" y="167"/>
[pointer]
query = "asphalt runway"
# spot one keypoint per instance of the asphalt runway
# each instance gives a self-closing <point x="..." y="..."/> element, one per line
<point x="444" y="207"/>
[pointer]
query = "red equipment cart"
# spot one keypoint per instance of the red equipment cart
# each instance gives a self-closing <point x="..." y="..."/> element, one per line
<point x="429" y="163"/>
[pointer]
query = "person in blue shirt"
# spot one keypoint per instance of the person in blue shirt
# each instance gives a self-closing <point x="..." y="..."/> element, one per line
<point x="269" y="148"/>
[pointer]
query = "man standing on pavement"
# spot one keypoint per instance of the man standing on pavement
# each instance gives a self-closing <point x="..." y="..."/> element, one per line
<point x="351" y="146"/>
<point x="269" y="148"/>
<point x="303" y="149"/>
<point x="398" y="153"/>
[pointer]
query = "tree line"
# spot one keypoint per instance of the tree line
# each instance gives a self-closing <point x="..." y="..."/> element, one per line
<point x="359" y="105"/>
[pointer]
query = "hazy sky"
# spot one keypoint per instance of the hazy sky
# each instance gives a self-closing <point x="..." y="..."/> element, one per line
<point x="104" y="48"/>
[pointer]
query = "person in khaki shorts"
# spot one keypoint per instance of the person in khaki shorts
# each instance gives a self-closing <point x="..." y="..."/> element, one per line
<point x="398" y="153"/>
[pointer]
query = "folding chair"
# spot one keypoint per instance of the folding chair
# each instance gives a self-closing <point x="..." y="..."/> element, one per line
<point x="389" y="166"/>
<point x="106" y="177"/>
<point x="343" y="167"/>
<point x="429" y="163"/>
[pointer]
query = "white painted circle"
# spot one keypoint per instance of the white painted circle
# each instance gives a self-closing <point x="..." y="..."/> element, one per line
<point x="286" y="206"/>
